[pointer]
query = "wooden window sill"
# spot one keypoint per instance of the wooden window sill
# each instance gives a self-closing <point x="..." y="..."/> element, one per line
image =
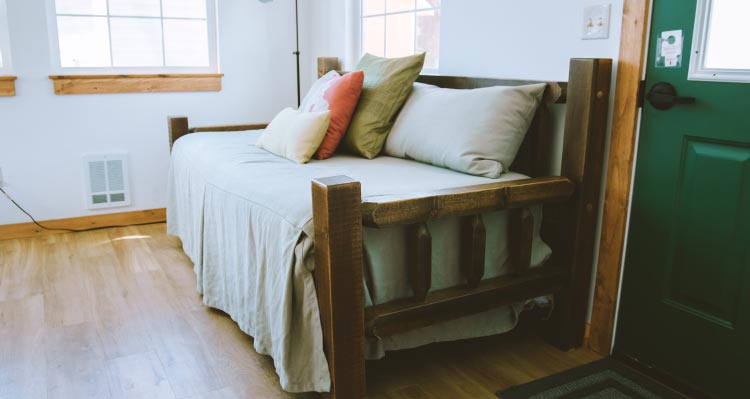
<point x="7" y="86"/>
<point x="108" y="84"/>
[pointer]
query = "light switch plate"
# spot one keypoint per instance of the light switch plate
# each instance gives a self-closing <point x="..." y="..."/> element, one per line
<point x="596" y="21"/>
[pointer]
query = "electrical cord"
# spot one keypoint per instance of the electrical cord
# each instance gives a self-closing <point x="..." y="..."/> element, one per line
<point x="64" y="229"/>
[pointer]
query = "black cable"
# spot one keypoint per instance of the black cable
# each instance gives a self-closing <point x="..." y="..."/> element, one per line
<point x="68" y="230"/>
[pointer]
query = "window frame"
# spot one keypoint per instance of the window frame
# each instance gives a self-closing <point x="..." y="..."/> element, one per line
<point x="697" y="70"/>
<point x="7" y="66"/>
<point x="213" y="49"/>
<point x="361" y="33"/>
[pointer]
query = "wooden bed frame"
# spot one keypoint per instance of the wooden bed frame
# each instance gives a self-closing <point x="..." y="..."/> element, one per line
<point x="570" y="200"/>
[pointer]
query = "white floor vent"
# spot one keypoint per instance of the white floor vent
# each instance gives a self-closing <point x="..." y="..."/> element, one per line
<point x="106" y="180"/>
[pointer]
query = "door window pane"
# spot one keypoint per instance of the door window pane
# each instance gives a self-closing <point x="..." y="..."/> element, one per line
<point x="135" y="8"/>
<point x="399" y="36"/>
<point x="373" y="39"/>
<point x="727" y="42"/>
<point x="84" y="41"/>
<point x="185" y="43"/>
<point x="136" y="42"/>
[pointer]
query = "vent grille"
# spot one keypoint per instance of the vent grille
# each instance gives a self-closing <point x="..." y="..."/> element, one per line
<point x="106" y="180"/>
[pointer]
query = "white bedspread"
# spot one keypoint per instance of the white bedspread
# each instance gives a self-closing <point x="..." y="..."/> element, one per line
<point x="245" y="220"/>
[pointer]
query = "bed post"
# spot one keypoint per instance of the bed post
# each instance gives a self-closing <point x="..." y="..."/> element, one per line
<point x="327" y="64"/>
<point x="583" y="156"/>
<point x="178" y="127"/>
<point x="337" y="214"/>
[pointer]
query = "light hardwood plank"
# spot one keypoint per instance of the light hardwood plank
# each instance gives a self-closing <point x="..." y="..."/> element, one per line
<point x="118" y="320"/>
<point x="67" y="291"/>
<point x="22" y="358"/>
<point x="81" y="317"/>
<point x="76" y="365"/>
<point x="21" y="269"/>
<point x="139" y="376"/>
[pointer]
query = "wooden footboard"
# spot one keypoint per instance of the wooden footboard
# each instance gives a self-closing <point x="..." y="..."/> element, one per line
<point x="569" y="225"/>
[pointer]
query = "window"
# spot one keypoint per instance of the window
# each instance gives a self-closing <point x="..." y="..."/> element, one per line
<point x="397" y="28"/>
<point x="719" y="50"/>
<point x="4" y="41"/>
<point x="134" y="36"/>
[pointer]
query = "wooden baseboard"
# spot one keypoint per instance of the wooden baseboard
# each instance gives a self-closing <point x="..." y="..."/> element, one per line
<point x="23" y="230"/>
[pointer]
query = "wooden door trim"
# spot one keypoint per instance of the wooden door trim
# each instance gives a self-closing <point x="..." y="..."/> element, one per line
<point x="625" y="117"/>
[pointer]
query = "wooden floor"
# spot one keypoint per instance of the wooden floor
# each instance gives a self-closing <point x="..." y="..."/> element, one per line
<point x="114" y="314"/>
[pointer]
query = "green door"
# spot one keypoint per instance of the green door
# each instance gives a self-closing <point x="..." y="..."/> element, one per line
<point x="685" y="305"/>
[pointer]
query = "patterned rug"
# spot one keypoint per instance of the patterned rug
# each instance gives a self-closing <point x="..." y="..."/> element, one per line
<point x="603" y="379"/>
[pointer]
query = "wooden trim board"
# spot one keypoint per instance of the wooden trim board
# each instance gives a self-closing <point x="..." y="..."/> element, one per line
<point x="630" y="67"/>
<point x="23" y="230"/>
<point x="7" y="86"/>
<point x="109" y="84"/>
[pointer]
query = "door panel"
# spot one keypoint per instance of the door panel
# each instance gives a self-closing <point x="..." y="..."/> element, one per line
<point x="704" y="276"/>
<point x="685" y="306"/>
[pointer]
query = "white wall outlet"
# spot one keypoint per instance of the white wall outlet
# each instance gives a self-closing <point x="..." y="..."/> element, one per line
<point x="596" y="21"/>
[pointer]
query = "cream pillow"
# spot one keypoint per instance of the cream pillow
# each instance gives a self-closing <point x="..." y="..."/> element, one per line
<point x="295" y="135"/>
<point x="476" y="131"/>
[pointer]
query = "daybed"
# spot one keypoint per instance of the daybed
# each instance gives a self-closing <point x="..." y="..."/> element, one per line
<point x="390" y="253"/>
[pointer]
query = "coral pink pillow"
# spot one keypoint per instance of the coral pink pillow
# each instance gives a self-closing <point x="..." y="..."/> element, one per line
<point x="338" y="94"/>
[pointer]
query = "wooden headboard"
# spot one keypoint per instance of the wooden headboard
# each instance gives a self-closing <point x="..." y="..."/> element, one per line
<point x="535" y="155"/>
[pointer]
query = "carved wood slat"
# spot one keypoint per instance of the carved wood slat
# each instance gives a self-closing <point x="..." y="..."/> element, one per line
<point x="520" y="236"/>
<point x="451" y="303"/>
<point x="419" y="253"/>
<point x="339" y="283"/>
<point x="393" y="210"/>
<point x="473" y="242"/>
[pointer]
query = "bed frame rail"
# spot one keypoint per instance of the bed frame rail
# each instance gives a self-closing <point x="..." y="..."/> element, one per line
<point x="385" y="211"/>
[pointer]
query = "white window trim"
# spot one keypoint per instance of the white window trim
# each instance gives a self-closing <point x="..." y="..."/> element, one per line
<point x="698" y="70"/>
<point x="359" y="33"/>
<point x="213" y="50"/>
<point x="7" y="68"/>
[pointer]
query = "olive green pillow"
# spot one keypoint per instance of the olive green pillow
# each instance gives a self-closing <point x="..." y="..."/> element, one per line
<point x="387" y="84"/>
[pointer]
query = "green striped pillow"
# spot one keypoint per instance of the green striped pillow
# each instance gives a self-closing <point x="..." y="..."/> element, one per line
<point x="387" y="84"/>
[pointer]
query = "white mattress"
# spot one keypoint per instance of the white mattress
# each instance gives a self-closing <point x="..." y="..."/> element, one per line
<point x="245" y="220"/>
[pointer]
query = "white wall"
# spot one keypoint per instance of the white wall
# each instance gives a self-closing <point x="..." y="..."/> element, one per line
<point x="529" y="39"/>
<point x="43" y="136"/>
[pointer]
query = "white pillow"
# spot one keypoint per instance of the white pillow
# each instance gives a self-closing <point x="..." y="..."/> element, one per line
<point x="476" y="131"/>
<point x="295" y="135"/>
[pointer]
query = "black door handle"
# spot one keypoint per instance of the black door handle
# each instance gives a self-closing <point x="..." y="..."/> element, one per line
<point x="663" y="96"/>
